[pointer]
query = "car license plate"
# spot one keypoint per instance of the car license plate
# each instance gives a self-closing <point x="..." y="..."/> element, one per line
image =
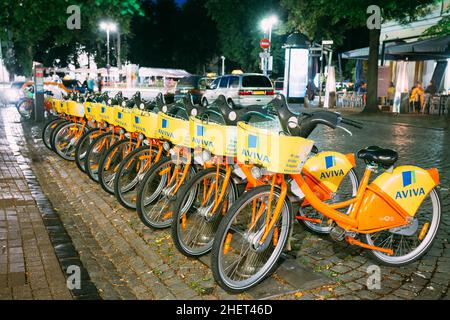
<point x="259" y="92"/>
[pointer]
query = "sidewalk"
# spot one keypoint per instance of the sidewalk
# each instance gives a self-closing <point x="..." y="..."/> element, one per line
<point x="411" y="120"/>
<point x="29" y="268"/>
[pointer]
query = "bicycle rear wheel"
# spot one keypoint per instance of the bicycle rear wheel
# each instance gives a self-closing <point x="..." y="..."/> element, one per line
<point x="83" y="145"/>
<point x="110" y="162"/>
<point x="239" y="260"/>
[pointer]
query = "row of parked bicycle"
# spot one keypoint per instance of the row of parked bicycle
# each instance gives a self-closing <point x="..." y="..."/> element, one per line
<point x="232" y="181"/>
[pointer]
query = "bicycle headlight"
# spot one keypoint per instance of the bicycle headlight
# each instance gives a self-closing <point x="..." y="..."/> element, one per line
<point x="194" y="112"/>
<point x="292" y="122"/>
<point x="124" y="103"/>
<point x="232" y="116"/>
<point x="141" y="106"/>
<point x="166" y="146"/>
<point x="164" y="109"/>
<point x="109" y="101"/>
<point x="256" y="173"/>
<point x="206" y="155"/>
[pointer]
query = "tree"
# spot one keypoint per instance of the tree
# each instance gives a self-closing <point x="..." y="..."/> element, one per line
<point x="36" y="30"/>
<point x="238" y="23"/>
<point x="332" y="18"/>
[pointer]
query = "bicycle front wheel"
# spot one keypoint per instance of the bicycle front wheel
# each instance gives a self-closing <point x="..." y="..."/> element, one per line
<point x="131" y="173"/>
<point x="240" y="257"/>
<point x="95" y="152"/>
<point x="48" y="130"/>
<point x="110" y="162"/>
<point x="65" y="139"/>
<point x="195" y="225"/>
<point x="83" y="145"/>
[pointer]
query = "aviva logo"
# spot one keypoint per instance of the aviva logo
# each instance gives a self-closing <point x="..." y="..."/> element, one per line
<point x="252" y="143"/>
<point x="409" y="178"/>
<point x="330" y="162"/>
<point x="200" y="141"/>
<point x="165" y="133"/>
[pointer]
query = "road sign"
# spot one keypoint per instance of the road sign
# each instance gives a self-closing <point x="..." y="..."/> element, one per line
<point x="264" y="43"/>
<point x="264" y="55"/>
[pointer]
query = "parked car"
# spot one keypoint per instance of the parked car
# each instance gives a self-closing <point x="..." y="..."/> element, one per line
<point x="240" y="90"/>
<point x="13" y="94"/>
<point x="195" y="85"/>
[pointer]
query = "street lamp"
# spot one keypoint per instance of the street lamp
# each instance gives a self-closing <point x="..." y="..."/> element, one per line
<point x="108" y="27"/>
<point x="267" y="25"/>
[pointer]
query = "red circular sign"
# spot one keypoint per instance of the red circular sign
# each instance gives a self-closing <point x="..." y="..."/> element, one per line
<point x="264" y="43"/>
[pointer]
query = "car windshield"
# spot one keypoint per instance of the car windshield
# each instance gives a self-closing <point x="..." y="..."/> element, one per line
<point x="256" y="82"/>
<point x="17" y="85"/>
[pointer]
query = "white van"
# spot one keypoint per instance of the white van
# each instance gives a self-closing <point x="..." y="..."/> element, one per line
<point x="240" y="90"/>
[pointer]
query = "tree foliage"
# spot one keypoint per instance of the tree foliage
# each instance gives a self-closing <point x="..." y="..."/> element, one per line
<point x="36" y="30"/>
<point x="238" y="23"/>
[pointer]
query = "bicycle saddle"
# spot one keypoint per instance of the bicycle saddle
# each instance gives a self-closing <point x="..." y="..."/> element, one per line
<point x="374" y="154"/>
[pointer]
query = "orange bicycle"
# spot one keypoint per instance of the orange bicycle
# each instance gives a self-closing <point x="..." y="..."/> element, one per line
<point x="396" y="216"/>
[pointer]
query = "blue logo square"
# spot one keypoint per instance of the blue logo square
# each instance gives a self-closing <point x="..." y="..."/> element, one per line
<point x="330" y="162"/>
<point x="119" y="115"/>
<point x="103" y="109"/>
<point x="252" y="141"/>
<point x="200" y="131"/>
<point x="164" y="123"/>
<point x="137" y="120"/>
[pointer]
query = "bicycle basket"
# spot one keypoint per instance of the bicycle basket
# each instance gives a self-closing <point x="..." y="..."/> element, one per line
<point x="75" y="109"/>
<point x="124" y="119"/>
<point x="217" y="138"/>
<point x="175" y="130"/>
<point x="108" y="114"/>
<point x="63" y="107"/>
<point x="56" y="104"/>
<point x="145" y="123"/>
<point x="270" y="149"/>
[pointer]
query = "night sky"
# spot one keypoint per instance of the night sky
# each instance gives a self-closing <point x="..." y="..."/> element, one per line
<point x="180" y="2"/>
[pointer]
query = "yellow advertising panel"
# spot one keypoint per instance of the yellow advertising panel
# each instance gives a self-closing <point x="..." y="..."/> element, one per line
<point x="56" y="103"/>
<point x="407" y="186"/>
<point x="124" y="119"/>
<point x="75" y="109"/>
<point x="145" y="123"/>
<point x="63" y="107"/>
<point x="329" y="168"/>
<point x="278" y="153"/>
<point x="108" y="114"/>
<point x="219" y="139"/>
<point x="173" y="129"/>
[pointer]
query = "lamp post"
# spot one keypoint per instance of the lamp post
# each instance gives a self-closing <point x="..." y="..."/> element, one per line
<point x="267" y="25"/>
<point x="108" y="27"/>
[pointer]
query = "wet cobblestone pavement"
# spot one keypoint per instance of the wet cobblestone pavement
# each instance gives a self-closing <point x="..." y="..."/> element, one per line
<point x="125" y="260"/>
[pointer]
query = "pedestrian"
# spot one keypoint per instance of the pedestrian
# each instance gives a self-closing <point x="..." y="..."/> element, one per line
<point x="90" y="84"/>
<point x="362" y="90"/>
<point x="430" y="92"/>
<point x="417" y="97"/>
<point x="99" y="83"/>
<point x="391" y="94"/>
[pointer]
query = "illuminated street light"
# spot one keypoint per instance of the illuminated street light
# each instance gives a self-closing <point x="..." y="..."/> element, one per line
<point x="267" y="25"/>
<point x="108" y="27"/>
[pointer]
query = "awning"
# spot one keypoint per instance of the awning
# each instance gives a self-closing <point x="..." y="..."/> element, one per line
<point x="429" y="49"/>
<point x="161" y="72"/>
